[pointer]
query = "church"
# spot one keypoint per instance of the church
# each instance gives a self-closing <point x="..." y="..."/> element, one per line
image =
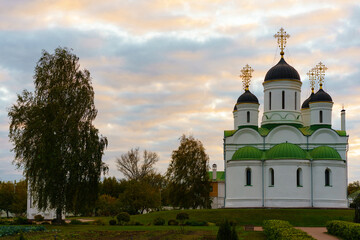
<point x="294" y="158"/>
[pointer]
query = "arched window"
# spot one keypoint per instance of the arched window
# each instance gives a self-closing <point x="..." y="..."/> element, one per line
<point x="283" y="99"/>
<point x="295" y="100"/>
<point x="269" y="100"/>
<point x="327" y="177"/>
<point x="248" y="177"/>
<point x="321" y="116"/>
<point x="248" y="116"/>
<point x="299" y="177"/>
<point x="272" y="179"/>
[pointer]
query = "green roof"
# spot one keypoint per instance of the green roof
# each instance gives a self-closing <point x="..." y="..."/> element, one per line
<point x="306" y="131"/>
<point x="220" y="175"/>
<point x="286" y="151"/>
<point x="247" y="153"/>
<point x="325" y="152"/>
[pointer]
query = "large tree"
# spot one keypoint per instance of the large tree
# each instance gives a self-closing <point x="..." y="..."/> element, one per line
<point x="133" y="167"/>
<point x="189" y="184"/>
<point x="55" y="141"/>
<point x="7" y="196"/>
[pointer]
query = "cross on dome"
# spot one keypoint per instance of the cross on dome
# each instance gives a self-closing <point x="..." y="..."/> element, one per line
<point x="281" y="39"/>
<point x="246" y="76"/>
<point x="320" y="73"/>
<point x="312" y="78"/>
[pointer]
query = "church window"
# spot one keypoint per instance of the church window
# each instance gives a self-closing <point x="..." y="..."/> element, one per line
<point x="248" y="177"/>
<point x="269" y="100"/>
<point x="272" y="179"/>
<point x="283" y="99"/>
<point x="299" y="177"/>
<point x="295" y="100"/>
<point x="321" y="116"/>
<point x="327" y="177"/>
<point x="248" y="116"/>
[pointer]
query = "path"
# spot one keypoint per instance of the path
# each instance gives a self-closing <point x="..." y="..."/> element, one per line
<point x="318" y="233"/>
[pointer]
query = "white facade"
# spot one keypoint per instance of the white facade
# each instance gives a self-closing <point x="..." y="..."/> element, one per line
<point x="294" y="159"/>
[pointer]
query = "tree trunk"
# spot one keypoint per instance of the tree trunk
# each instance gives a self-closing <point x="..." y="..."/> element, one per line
<point x="7" y="213"/>
<point x="58" y="215"/>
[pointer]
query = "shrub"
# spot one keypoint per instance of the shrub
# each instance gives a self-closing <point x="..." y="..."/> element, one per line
<point x="283" y="230"/>
<point x="173" y="222"/>
<point x="135" y="224"/>
<point x="55" y="222"/>
<point x="112" y="222"/>
<point x="159" y="221"/>
<point x="344" y="230"/>
<point x="182" y="216"/>
<point x="123" y="217"/>
<point x="38" y="218"/>
<point x="226" y="232"/>
<point x="45" y="223"/>
<point x="196" y="223"/>
<point x="76" y="222"/>
<point x="21" y="221"/>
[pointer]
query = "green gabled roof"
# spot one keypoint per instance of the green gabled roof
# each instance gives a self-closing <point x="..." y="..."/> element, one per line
<point x="220" y="175"/>
<point x="286" y="151"/>
<point x="247" y="153"/>
<point x="306" y="131"/>
<point x="325" y="153"/>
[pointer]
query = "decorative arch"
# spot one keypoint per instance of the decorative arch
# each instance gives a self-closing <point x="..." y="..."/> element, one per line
<point x="324" y="135"/>
<point x="285" y="133"/>
<point x="247" y="136"/>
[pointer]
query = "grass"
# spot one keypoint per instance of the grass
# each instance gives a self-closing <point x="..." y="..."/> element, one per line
<point x="297" y="217"/>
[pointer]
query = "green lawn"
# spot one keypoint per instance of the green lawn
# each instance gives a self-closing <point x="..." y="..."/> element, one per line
<point x="297" y="217"/>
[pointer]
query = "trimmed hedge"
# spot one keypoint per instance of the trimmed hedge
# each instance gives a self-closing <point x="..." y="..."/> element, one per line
<point x="344" y="230"/>
<point x="283" y="230"/>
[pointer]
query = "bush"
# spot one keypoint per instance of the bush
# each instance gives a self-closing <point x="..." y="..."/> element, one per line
<point x="182" y="216"/>
<point x="159" y="221"/>
<point x="55" y="222"/>
<point x="226" y="232"/>
<point x="283" y="230"/>
<point x="38" y="218"/>
<point x="196" y="223"/>
<point x="123" y="217"/>
<point x="45" y="223"/>
<point x="344" y="230"/>
<point x="112" y="222"/>
<point x="76" y="222"/>
<point x="21" y="221"/>
<point x="135" y="224"/>
<point x="173" y="222"/>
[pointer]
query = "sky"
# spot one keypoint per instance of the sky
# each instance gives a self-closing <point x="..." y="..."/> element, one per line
<point x="163" y="68"/>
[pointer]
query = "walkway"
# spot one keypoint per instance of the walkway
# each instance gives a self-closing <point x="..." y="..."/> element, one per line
<point x="318" y="233"/>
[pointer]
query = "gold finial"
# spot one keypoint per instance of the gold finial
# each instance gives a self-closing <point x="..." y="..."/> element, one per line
<point x="246" y="76"/>
<point x="281" y="39"/>
<point x="320" y="73"/>
<point x="312" y="78"/>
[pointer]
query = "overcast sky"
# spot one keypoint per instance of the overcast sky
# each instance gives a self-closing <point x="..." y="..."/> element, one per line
<point x="165" y="68"/>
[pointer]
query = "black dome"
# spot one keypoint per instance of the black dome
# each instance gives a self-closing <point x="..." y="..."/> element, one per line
<point x="282" y="70"/>
<point x="307" y="101"/>
<point x="247" y="97"/>
<point x="235" y="108"/>
<point x="321" y="96"/>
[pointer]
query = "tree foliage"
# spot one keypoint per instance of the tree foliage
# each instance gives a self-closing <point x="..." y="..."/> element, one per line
<point x="189" y="184"/>
<point x="13" y="197"/>
<point x="353" y="187"/>
<point x="132" y="167"/>
<point x="54" y="139"/>
<point x="356" y="203"/>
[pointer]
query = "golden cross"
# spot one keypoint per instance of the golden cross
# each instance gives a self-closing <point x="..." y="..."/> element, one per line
<point x="320" y="73"/>
<point x="281" y="39"/>
<point x="312" y="78"/>
<point x="246" y="76"/>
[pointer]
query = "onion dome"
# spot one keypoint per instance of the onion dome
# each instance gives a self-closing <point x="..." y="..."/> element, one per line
<point x="321" y="96"/>
<point x="307" y="101"/>
<point x="286" y="151"/>
<point x="247" y="97"/>
<point x="282" y="70"/>
<point x="325" y="153"/>
<point x="247" y="153"/>
<point x="235" y="108"/>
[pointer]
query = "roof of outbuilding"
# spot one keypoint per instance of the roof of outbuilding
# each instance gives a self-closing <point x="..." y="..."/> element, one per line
<point x="220" y="175"/>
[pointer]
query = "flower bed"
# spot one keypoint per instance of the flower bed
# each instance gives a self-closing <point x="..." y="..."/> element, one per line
<point x="11" y="230"/>
<point x="283" y="230"/>
<point x="345" y="230"/>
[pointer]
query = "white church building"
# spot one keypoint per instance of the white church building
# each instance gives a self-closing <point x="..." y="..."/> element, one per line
<point x="294" y="158"/>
